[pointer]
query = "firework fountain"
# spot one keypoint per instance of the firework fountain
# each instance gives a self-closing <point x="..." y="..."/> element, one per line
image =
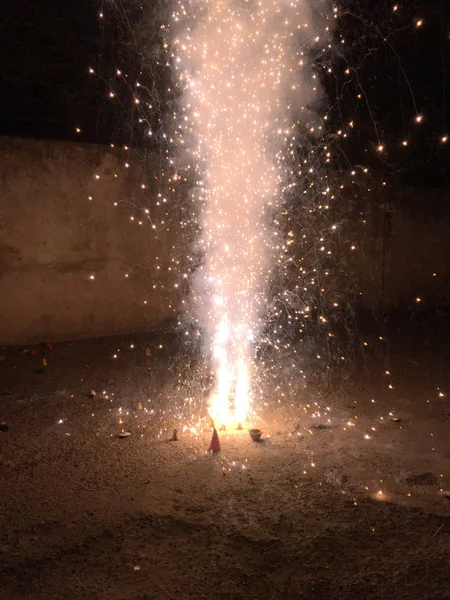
<point x="247" y="88"/>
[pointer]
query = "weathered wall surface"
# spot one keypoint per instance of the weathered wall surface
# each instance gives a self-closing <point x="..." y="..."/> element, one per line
<point x="64" y="259"/>
<point x="403" y="252"/>
<point x="418" y="248"/>
<point x="54" y="238"/>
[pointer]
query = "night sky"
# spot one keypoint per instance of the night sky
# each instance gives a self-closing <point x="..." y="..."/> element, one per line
<point x="398" y="69"/>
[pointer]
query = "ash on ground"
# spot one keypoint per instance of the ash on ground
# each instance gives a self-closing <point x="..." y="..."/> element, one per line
<point x="344" y="496"/>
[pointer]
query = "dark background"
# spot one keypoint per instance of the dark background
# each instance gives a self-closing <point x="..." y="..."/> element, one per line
<point x="399" y="70"/>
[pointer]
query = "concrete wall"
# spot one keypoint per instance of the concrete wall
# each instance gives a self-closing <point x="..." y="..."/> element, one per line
<point x="53" y="239"/>
<point x="418" y="248"/>
<point x="403" y="238"/>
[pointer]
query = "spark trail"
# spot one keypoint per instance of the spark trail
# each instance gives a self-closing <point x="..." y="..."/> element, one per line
<point x="244" y="72"/>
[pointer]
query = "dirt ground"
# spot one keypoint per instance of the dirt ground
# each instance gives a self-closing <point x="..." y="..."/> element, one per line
<point x="343" y="498"/>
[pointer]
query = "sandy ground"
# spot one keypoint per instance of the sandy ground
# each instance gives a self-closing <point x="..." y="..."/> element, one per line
<point x="339" y="500"/>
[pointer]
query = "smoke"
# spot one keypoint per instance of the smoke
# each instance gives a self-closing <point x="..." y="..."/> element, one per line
<point x="248" y="90"/>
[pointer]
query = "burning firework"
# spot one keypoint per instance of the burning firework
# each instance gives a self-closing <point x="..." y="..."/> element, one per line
<point x="246" y="90"/>
<point x="252" y="222"/>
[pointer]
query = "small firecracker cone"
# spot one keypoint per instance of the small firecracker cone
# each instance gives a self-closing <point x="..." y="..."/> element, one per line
<point x="33" y="352"/>
<point x="215" y="443"/>
<point x="139" y="405"/>
<point x="147" y="351"/>
<point x="174" y="437"/>
<point x="49" y="346"/>
<point x="223" y="428"/>
<point x="92" y="393"/>
<point x="43" y="367"/>
<point x="239" y="427"/>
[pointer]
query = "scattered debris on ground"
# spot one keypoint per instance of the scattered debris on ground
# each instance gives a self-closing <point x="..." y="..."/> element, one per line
<point x="351" y="506"/>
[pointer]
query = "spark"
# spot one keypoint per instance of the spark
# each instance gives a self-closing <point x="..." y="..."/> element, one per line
<point x="240" y="99"/>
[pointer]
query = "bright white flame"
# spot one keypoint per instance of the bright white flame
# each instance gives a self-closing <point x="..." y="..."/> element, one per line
<point x="242" y="65"/>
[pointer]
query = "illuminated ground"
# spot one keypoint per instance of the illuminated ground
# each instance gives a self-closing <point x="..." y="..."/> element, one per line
<point x="84" y="514"/>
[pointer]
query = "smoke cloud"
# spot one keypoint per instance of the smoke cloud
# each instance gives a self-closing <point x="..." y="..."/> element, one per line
<point x="247" y="83"/>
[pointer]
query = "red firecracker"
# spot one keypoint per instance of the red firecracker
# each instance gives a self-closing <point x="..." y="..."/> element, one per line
<point x="147" y="351"/>
<point x="49" y="346"/>
<point x="215" y="443"/>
